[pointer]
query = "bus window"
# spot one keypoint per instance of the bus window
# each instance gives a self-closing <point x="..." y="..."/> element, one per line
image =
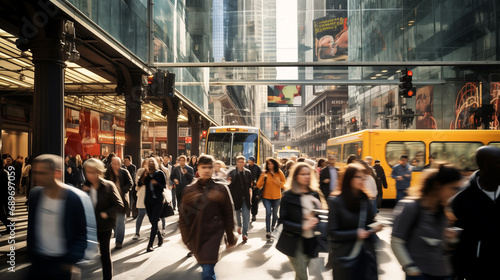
<point x="219" y="146"/>
<point x="414" y="150"/>
<point x="461" y="154"/>
<point x="352" y="149"/>
<point x="244" y="144"/>
<point x="494" y="144"/>
<point x="334" y="150"/>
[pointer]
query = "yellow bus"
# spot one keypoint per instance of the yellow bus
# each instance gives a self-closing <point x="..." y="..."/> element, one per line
<point x="287" y="153"/>
<point x="454" y="146"/>
<point x="225" y="143"/>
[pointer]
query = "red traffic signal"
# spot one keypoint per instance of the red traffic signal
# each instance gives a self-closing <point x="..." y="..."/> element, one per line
<point x="406" y="88"/>
<point x="353" y="120"/>
<point x="151" y="79"/>
<point x="204" y="133"/>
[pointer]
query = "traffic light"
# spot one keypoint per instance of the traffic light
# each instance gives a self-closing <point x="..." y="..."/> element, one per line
<point x="156" y="84"/>
<point x="406" y="88"/>
<point x="204" y="134"/>
<point x="354" y="123"/>
<point x="170" y="85"/>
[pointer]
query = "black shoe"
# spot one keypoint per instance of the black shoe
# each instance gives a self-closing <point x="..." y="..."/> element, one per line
<point x="254" y="218"/>
<point x="160" y="240"/>
<point x="118" y="245"/>
<point x="268" y="235"/>
<point x="149" y="249"/>
<point x="190" y="254"/>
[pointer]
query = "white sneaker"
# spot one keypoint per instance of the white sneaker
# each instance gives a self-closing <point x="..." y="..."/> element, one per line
<point x="136" y="237"/>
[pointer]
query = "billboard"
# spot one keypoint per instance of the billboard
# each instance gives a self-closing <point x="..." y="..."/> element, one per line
<point x="284" y="96"/>
<point x="425" y="108"/>
<point x="331" y="37"/>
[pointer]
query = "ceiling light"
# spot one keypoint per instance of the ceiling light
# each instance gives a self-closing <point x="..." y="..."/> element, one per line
<point x="384" y="71"/>
<point x="373" y="78"/>
<point x="411" y="21"/>
<point x="378" y="75"/>
<point x="14" y="81"/>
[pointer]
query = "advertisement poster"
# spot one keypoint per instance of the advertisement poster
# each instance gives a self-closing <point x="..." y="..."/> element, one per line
<point x="331" y="37"/>
<point x="466" y="103"/>
<point x="284" y="96"/>
<point x="424" y="106"/>
<point x="72" y="119"/>
<point x="495" y="100"/>
<point x="106" y="122"/>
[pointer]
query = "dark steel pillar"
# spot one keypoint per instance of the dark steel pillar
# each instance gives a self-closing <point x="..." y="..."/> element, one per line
<point x="172" y="129"/>
<point x="48" y="104"/>
<point x="195" y="134"/>
<point x="133" y="125"/>
<point x="51" y="47"/>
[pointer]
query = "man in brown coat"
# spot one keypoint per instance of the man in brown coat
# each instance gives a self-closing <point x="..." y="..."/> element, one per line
<point x="205" y="214"/>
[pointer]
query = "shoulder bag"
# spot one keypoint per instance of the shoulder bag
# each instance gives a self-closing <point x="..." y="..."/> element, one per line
<point x="260" y="192"/>
<point x="360" y="264"/>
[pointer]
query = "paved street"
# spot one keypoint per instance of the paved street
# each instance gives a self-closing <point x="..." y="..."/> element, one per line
<point x="257" y="259"/>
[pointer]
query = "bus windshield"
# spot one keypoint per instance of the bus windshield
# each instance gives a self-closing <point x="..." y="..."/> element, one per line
<point x="287" y="154"/>
<point x="219" y="146"/>
<point x="244" y="144"/>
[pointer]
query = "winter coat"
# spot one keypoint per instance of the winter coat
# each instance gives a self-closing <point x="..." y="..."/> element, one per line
<point x="204" y="216"/>
<point x="240" y="188"/>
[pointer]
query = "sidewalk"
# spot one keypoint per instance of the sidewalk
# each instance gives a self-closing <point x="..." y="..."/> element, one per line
<point x="257" y="259"/>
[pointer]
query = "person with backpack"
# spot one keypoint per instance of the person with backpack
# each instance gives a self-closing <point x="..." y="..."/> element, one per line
<point x="420" y="231"/>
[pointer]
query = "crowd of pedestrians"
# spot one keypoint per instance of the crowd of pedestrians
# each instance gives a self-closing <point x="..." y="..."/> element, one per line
<point x="437" y="233"/>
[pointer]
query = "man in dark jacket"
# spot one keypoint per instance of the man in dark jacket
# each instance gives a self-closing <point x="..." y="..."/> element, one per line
<point x="241" y="192"/>
<point x="381" y="181"/>
<point x="328" y="177"/>
<point x="57" y="224"/>
<point x="181" y="176"/>
<point x="477" y="209"/>
<point x="204" y="216"/>
<point x="70" y="176"/>
<point x="132" y="169"/>
<point x="123" y="181"/>
<point x="256" y="171"/>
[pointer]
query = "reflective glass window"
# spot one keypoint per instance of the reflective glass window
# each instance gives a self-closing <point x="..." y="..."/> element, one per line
<point x="352" y="149"/>
<point x="244" y="144"/>
<point x="461" y="154"/>
<point x="414" y="150"/>
<point x="219" y="146"/>
<point x="495" y="144"/>
<point x="334" y="150"/>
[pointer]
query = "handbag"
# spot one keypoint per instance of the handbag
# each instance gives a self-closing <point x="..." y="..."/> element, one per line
<point x="260" y="192"/>
<point x="321" y="230"/>
<point x="166" y="211"/>
<point x="360" y="263"/>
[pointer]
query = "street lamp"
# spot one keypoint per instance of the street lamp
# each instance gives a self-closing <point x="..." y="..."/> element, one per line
<point x="114" y="138"/>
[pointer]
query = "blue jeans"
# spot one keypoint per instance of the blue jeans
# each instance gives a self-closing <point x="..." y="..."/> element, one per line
<point x="245" y="212"/>
<point x="120" y="228"/>
<point x="140" y="217"/>
<point x="271" y="206"/>
<point x="400" y="194"/>
<point x="208" y="272"/>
